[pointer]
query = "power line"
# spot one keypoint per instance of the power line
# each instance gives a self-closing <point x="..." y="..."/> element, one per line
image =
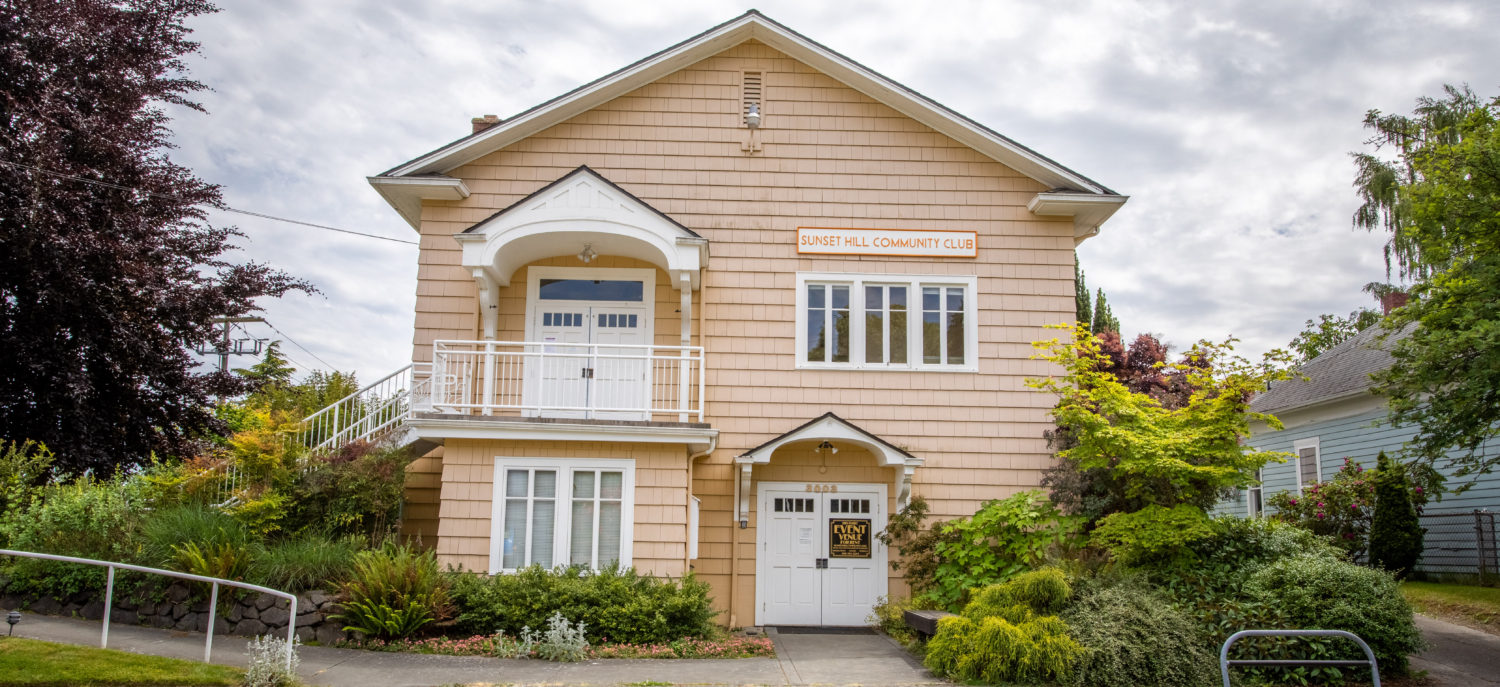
<point x="294" y="343"/>
<point x="226" y="208"/>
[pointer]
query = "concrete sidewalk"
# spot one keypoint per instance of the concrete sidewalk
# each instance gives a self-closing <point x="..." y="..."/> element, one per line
<point x="1458" y="656"/>
<point x="801" y="659"/>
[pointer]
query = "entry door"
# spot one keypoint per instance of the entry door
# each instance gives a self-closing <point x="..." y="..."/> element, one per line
<point x="576" y="378"/>
<point x="819" y="562"/>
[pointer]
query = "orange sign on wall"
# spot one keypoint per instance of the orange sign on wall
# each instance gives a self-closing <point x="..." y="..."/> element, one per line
<point x="927" y="243"/>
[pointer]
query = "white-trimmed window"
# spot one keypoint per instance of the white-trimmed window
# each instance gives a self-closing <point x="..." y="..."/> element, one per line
<point x="1308" y="458"/>
<point x="552" y="512"/>
<point x="1255" y="504"/>
<point x="886" y="322"/>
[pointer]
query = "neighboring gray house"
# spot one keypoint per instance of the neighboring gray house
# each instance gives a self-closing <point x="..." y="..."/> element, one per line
<point x="1333" y="414"/>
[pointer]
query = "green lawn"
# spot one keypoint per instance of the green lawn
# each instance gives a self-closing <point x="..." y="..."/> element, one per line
<point x="31" y="662"/>
<point x="1477" y="607"/>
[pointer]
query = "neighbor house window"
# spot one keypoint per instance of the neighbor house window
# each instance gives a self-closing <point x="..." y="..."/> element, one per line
<point x="551" y="512"/>
<point x="1256" y="505"/>
<point x="1308" y="457"/>
<point x="896" y="322"/>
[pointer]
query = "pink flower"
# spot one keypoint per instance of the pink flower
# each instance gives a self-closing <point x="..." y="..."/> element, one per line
<point x="1419" y="490"/>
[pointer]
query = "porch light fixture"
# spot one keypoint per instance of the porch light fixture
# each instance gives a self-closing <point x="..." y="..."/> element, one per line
<point x="587" y="255"/>
<point x="824" y="449"/>
<point x="752" y="118"/>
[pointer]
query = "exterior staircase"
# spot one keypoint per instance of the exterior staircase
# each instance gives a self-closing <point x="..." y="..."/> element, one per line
<point x="377" y="412"/>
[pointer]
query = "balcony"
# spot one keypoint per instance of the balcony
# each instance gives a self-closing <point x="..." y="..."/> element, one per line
<point x="565" y="381"/>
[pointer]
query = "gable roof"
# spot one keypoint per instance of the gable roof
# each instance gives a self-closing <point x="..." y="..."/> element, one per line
<point x="1339" y="372"/>
<point x="752" y="25"/>
<point x="582" y="170"/>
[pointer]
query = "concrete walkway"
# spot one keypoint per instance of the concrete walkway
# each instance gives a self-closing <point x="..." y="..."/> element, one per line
<point x="1458" y="656"/>
<point x="801" y="660"/>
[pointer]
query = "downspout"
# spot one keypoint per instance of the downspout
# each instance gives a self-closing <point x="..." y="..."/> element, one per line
<point x="713" y="443"/>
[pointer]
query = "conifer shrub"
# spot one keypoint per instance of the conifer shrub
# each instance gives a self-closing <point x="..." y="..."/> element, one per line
<point x="1004" y="636"/>
<point x="1133" y="635"/>
<point x="1395" y="531"/>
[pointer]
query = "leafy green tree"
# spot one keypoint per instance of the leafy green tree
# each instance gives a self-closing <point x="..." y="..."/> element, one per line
<point x="1395" y="531"/>
<point x="1082" y="309"/>
<point x="1329" y="331"/>
<point x="1439" y="201"/>
<point x="1168" y="460"/>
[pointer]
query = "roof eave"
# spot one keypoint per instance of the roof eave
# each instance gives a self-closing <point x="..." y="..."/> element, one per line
<point x="1089" y="211"/>
<point x="406" y="194"/>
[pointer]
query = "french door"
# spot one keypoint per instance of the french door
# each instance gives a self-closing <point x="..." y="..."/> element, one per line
<point x="566" y="377"/>
<point x="818" y="562"/>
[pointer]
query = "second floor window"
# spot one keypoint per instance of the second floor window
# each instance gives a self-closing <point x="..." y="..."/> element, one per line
<point x="893" y="322"/>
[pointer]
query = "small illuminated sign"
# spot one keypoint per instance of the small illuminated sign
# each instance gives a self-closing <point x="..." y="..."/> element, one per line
<point x="926" y="243"/>
<point x="848" y="538"/>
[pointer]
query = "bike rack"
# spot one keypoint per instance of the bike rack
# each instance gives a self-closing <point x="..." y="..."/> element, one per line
<point x="1224" y="661"/>
<point x="213" y="603"/>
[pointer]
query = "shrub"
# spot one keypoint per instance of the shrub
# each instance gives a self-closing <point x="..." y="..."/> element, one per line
<point x="889" y="614"/>
<point x="24" y="467"/>
<point x="1004" y="636"/>
<point x="223" y="561"/>
<point x="996" y="650"/>
<point x="310" y="561"/>
<point x="1152" y="533"/>
<point x="1134" y="636"/>
<point x="164" y="532"/>
<point x="617" y="605"/>
<point x="86" y="519"/>
<point x="917" y="545"/>
<point x="1329" y="594"/>
<point x="1395" y="532"/>
<point x="563" y="641"/>
<point x="356" y="490"/>
<point x="1338" y="509"/>
<point x="268" y="662"/>
<point x="394" y="591"/>
<point x="1002" y="540"/>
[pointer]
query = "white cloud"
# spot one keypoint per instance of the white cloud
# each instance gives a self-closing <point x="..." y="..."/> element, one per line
<point x="1228" y="123"/>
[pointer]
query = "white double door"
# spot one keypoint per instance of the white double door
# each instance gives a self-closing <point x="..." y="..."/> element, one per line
<point x="584" y="381"/>
<point x="818" y="561"/>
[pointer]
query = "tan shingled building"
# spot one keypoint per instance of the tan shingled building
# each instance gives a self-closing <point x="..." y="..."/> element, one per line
<point x="724" y="310"/>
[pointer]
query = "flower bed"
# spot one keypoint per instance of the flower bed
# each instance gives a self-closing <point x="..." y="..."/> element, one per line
<point x="501" y="645"/>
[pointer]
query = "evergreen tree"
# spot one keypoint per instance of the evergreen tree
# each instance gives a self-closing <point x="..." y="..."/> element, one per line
<point x="273" y="370"/>
<point x="1084" y="313"/>
<point x="110" y="273"/>
<point x="1395" y="531"/>
<point x="1104" y="318"/>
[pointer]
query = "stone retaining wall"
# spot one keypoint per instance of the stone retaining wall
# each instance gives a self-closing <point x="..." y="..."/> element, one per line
<point x="179" y="608"/>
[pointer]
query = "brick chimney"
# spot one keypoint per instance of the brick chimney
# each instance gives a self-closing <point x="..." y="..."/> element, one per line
<point x="485" y="122"/>
<point x="1392" y="300"/>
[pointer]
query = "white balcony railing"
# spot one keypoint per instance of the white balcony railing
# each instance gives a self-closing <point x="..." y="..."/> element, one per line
<point x="564" y="380"/>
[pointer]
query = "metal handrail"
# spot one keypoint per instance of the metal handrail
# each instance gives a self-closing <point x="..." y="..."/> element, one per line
<point x="208" y="642"/>
<point x="1224" y="661"/>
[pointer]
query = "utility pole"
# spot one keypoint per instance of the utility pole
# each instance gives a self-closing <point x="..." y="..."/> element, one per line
<point x="225" y="349"/>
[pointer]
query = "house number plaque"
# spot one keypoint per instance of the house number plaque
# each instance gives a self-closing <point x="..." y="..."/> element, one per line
<point x="848" y="538"/>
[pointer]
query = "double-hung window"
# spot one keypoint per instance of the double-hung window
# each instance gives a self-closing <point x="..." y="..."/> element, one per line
<point x="1308" y="458"/>
<point x="552" y="512"/>
<point x="886" y="321"/>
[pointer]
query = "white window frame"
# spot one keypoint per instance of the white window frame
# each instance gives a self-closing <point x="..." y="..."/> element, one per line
<point x="563" y="520"/>
<point x="1312" y="443"/>
<point x="1256" y="491"/>
<point x="913" y="284"/>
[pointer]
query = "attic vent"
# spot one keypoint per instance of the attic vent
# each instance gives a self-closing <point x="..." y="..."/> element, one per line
<point x="751" y="95"/>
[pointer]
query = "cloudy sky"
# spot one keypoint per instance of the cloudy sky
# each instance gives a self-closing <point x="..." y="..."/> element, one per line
<point x="1228" y="124"/>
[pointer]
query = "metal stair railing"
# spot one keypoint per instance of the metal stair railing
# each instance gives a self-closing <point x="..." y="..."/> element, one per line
<point x="1225" y="662"/>
<point x="366" y="414"/>
<point x="213" y="603"/>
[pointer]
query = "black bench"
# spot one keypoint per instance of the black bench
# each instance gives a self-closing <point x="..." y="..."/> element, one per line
<point x="925" y="623"/>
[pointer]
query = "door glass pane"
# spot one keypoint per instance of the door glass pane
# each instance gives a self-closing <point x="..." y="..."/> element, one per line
<point x="610" y="485"/>
<point x="591" y="290"/>
<point x="609" y="533"/>
<point x="581" y="550"/>
<point x="514" y="545"/>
